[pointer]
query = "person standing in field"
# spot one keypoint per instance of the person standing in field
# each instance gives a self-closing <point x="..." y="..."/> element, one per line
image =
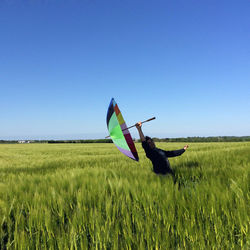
<point x="158" y="157"/>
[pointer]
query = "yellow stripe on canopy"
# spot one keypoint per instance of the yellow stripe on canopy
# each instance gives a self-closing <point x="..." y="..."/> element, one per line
<point x="120" y="119"/>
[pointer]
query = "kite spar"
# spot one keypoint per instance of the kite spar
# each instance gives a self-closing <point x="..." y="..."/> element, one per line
<point x="119" y="132"/>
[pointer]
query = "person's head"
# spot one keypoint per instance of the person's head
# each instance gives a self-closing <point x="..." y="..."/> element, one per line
<point x="150" y="142"/>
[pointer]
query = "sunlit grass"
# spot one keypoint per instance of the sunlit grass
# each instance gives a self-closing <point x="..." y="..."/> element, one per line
<point x="91" y="196"/>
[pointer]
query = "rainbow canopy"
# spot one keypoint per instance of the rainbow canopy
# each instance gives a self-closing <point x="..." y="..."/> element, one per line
<point x="119" y="132"/>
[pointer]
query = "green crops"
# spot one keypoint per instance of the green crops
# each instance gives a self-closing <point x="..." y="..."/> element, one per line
<point x="90" y="196"/>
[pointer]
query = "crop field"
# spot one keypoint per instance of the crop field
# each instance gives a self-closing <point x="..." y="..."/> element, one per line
<point x="90" y="196"/>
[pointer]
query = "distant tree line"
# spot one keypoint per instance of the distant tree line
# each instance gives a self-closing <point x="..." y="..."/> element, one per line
<point x="205" y="139"/>
<point x="181" y="139"/>
<point x="6" y="141"/>
<point x="81" y="141"/>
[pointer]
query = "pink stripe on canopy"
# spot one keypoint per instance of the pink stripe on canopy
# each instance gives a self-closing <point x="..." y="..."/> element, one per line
<point x="124" y="129"/>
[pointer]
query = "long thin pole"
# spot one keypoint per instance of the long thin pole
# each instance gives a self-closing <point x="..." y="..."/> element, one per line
<point x="148" y="120"/>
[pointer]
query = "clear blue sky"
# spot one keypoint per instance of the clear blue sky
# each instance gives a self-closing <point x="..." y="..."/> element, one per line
<point x="185" y="62"/>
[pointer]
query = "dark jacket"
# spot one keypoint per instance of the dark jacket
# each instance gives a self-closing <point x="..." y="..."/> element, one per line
<point x="159" y="158"/>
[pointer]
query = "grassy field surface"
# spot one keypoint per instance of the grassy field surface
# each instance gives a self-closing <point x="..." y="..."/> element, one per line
<point x="90" y="196"/>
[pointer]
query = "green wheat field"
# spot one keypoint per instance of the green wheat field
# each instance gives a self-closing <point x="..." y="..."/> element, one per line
<point x="90" y="196"/>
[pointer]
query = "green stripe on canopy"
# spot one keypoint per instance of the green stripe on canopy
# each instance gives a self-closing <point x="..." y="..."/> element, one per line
<point x="116" y="133"/>
<point x="121" y="143"/>
<point x="113" y="122"/>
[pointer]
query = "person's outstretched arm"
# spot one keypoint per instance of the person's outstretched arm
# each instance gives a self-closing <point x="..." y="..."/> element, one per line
<point x="176" y="152"/>
<point x="138" y="126"/>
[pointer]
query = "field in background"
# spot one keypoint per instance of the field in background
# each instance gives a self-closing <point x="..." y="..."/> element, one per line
<point x="80" y="196"/>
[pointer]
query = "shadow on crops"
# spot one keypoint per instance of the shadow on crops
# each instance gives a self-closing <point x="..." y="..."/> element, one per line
<point x="187" y="181"/>
<point x="4" y="235"/>
<point x="188" y="174"/>
<point x="188" y="164"/>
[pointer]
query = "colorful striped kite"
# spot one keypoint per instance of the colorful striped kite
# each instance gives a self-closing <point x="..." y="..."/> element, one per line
<point x="119" y="132"/>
